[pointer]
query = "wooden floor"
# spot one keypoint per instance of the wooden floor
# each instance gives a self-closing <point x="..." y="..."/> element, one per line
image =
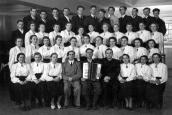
<point x="8" y="108"/>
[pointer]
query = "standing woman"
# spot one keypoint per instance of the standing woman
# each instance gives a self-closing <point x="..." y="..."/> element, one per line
<point x="92" y="33"/>
<point x="53" y="34"/>
<point x="58" y="48"/>
<point x="80" y="36"/>
<point x="156" y="88"/>
<point x="31" y="49"/>
<point x="151" y="47"/>
<point x="53" y="76"/>
<point x="139" y="49"/>
<point x="45" y="50"/>
<point x="20" y="78"/>
<point x="143" y="74"/>
<point x="37" y="69"/>
<point x="126" y="77"/>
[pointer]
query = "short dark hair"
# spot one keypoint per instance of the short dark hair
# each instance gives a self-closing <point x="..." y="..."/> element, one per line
<point x="145" y="56"/>
<point x="136" y="9"/>
<point x="46" y="37"/>
<point x="70" y="52"/>
<point x="37" y="53"/>
<point x="146" y="8"/>
<point x="99" y="37"/>
<point x="43" y="11"/>
<point x="124" y="37"/>
<point x="156" y="9"/>
<point x="19" y="21"/>
<point x="109" y="50"/>
<point x="113" y="38"/>
<point x="87" y="36"/>
<point x="80" y="6"/>
<point x="32" y="9"/>
<point x="66" y="8"/>
<point x="89" y="49"/>
<point x="18" y="38"/>
<point x="93" y="6"/>
<point x="55" y="9"/>
<point x="111" y="7"/>
<point x="123" y="7"/>
<point x="159" y="55"/>
<point x="126" y="55"/>
<point x="102" y="10"/>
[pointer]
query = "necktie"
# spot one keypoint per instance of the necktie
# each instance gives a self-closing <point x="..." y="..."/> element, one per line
<point x="54" y="66"/>
<point x="22" y="65"/>
<point x="126" y="66"/>
<point x="71" y="63"/>
<point x="37" y="64"/>
<point x="156" y="65"/>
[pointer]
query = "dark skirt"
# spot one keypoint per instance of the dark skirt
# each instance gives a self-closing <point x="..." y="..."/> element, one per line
<point x="139" y="89"/>
<point x="126" y="90"/>
<point x="39" y="90"/>
<point x="55" y="89"/>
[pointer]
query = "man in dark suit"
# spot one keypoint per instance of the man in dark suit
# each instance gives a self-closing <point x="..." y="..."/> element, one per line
<point x="148" y="20"/>
<point x="31" y="18"/>
<point x="135" y="19"/>
<point x="124" y="19"/>
<point x="43" y="20"/>
<point x="18" y="33"/>
<point x="91" y="19"/>
<point x="90" y="81"/>
<point x="71" y="72"/>
<point x="102" y="20"/>
<point x="109" y="79"/>
<point x="78" y="20"/>
<point x="159" y="21"/>
<point x="54" y="19"/>
<point x="65" y="18"/>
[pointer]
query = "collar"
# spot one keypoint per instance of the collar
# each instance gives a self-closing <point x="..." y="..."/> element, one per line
<point x="93" y="16"/>
<point x="71" y="61"/>
<point x="123" y="15"/>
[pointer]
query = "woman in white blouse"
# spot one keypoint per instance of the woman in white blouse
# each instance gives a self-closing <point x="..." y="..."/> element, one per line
<point x="41" y="34"/>
<point x="139" y="49"/>
<point x="156" y="88"/>
<point x="53" y="76"/>
<point x="143" y="74"/>
<point x="45" y="50"/>
<point x="152" y="48"/>
<point x="117" y="33"/>
<point x="53" y="34"/>
<point x="85" y="46"/>
<point x="117" y="52"/>
<point x="37" y="69"/>
<point x="79" y="36"/>
<point x="92" y="33"/>
<point x="58" y="48"/>
<point x="31" y="49"/>
<point x="73" y="47"/>
<point x="127" y="75"/>
<point x="106" y="34"/>
<point x="21" y="80"/>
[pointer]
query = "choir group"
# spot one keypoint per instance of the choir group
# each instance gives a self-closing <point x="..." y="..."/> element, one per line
<point x="88" y="61"/>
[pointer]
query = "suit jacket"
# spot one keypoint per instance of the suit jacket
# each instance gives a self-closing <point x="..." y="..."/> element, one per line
<point x="111" y="69"/>
<point x="63" y="22"/>
<point x="101" y="22"/>
<point x="77" y="22"/>
<point x="123" y="22"/>
<point x="16" y="34"/>
<point x="135" y="23"/>
<point x="27" y="21"/>
<point x="73" y="71"/>
<point x="161" y="24"/>
<point x="148" y="21"/>
<point x="90" y="20"/>
<point x="47" y="27"/>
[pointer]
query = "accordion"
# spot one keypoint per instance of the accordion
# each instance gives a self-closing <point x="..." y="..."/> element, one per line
<point x="38" y="75"/>
<point x="21" y="78"/>
<point x="91" y="71"/>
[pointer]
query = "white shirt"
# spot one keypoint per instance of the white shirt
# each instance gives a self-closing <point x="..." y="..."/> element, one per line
<point x="69" y="48"/>
<point x="66" y="35"/>
<point x="37" y="68"/>
<point x="84" y="47"/>
<point x="52" y="70"/>
<point x="79" y="40"/>
<point x="159" y="70"/>
<point x="127" y="70"/>
<point x="52" y="36"/>
<point x="27" y="37"/>
<point x="130" y="51"/>
<point x="117" y="52"/>
<point x="143" y="70"/>
<point x="93" y="35"/>
<point x="131" y="36"/>
<point x="106" y="36"/>
<point x="13" y="54"/>
<point x="158" y="37"/>
<point x="44" y="51"/>
<point x="30" y="51"/>
<point x="144" y="35"/>
<point x="118" y="35"/>
<point x="40" y="36"/>
<point x="57" y="49"/>
<point x="152" y="51"/>
<point x="140" y="52"/>
<point x="19" y="69"/>
<point x="99" y="51"/>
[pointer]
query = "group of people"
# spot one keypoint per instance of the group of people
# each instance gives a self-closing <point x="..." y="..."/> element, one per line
<point x="88" y="61"/>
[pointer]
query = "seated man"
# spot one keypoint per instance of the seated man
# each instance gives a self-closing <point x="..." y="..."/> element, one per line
<point x="71" y="72"/>
<point x="90" y="80"/>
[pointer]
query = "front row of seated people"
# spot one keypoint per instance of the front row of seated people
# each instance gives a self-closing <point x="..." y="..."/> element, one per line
<point x="116" y="84"/>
